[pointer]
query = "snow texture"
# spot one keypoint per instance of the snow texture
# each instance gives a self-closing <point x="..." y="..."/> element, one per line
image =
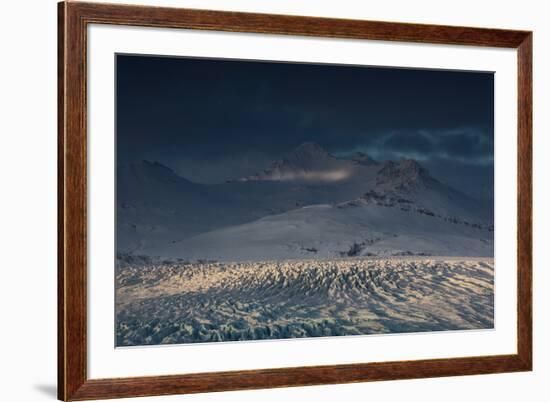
<point x="166" y="302"/>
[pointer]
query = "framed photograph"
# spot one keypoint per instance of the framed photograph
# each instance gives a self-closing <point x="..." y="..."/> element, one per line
<point x="252" y="201"/>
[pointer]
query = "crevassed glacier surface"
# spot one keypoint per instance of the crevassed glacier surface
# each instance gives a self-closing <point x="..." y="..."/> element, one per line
<point x="179" y="302"/>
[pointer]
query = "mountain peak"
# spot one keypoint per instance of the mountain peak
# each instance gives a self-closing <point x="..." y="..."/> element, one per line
<point x="308" y="150"/>
<point x="146" y="164"/>
<point x="407" y="174"/>
<point x="309" y="162"/>
<point x="412" y="166"/>
<point x="144" y="173"/>
<point x="406" y="167"/>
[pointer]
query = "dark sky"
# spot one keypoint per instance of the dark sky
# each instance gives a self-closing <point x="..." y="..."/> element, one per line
<point x="212" y="120"/>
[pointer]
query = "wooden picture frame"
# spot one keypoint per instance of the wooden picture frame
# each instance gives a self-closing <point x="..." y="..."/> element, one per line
<point x="73" y="381"/>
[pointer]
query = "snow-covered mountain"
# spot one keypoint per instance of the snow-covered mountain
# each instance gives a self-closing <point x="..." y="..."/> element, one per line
<point x="151" y="198"/>
<point x="308" y="162"/>
<point x="409" y="180"/>
<point x="308" y="203"/>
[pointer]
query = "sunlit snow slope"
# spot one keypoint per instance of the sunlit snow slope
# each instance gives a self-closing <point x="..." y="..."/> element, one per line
<point x="163" y="303"/>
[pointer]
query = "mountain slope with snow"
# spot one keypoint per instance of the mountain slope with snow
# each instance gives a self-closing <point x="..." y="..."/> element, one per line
<point x="308" y="203"/>
<point x="327" y="231"/>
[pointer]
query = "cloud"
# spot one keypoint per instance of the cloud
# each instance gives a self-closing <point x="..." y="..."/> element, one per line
<point x="324" y="175"/>
<point x="467" y="145"/>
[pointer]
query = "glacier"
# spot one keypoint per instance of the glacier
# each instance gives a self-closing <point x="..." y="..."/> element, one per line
<point x="178" y="302"/>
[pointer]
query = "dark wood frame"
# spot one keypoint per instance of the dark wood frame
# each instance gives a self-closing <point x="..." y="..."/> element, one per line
<point x="73" y="383"/>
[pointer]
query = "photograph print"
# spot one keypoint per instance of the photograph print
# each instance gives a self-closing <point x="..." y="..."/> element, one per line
<point x="264" y="200"/>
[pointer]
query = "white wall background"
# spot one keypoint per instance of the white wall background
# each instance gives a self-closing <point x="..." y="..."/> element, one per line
<point x="28" y="198"/>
